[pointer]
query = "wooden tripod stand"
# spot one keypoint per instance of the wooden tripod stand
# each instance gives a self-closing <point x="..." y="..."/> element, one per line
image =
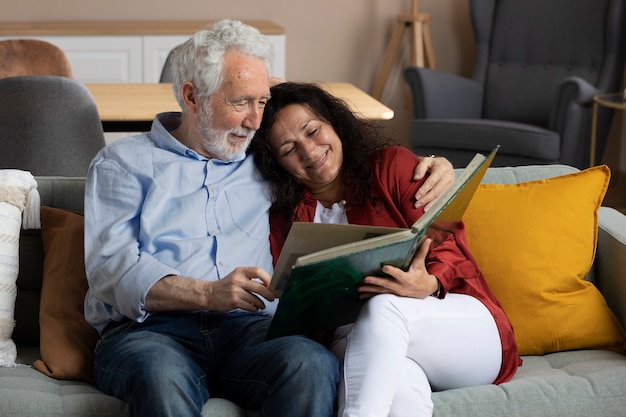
<point x="422" y="52"/>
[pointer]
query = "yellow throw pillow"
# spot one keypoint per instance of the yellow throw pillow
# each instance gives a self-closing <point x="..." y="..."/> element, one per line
<point x="535" y="243"/>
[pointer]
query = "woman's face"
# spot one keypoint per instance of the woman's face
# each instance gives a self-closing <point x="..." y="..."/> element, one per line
<point x="307" y="148"/>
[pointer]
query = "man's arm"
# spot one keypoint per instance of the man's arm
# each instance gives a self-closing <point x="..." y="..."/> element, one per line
<point x="236" y="290"/>
<point x="440" y="178"/>
<point x="112" y="255"/>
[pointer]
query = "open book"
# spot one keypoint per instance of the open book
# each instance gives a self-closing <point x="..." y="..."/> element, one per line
<point x="322" y="265"/>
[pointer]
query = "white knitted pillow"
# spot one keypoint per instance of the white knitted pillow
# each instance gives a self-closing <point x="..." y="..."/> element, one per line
<point x="18" y="191"/>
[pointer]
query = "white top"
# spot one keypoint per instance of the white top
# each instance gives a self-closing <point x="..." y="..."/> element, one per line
<point x="335" y="214"/>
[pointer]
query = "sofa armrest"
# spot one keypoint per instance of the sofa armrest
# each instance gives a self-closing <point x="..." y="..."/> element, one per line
<point x="572" y="91"/>
<point x="611" y="260"/>
<point x="571" y="118"/>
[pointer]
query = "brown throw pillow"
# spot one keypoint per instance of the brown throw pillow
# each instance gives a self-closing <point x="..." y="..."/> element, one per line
<point x="67" y="340"/>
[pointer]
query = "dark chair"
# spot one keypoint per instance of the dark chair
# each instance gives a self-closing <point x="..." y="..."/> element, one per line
<point x="166" y="72"/>
<point x="32" y="57"/>
<point x="538" y="65"/>
<point x="49" y="125"/>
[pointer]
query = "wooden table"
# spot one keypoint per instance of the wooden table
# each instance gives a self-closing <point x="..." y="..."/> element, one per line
<point x="128" y="107"/>
<point x="361" y="103"/>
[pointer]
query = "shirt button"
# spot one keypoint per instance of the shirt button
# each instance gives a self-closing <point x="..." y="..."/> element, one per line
<point x="213" y="189"/>
<point x="216" y="232"/>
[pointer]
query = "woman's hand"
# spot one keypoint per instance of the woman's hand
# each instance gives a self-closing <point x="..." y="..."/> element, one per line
<point x="416" y="282"/>
<point x="440" y="178"/>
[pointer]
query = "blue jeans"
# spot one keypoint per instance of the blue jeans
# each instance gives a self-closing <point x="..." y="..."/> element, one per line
<point x="171" y="364"/>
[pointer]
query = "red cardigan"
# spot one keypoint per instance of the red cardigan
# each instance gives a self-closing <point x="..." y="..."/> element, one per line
<point x="450" y="260"/>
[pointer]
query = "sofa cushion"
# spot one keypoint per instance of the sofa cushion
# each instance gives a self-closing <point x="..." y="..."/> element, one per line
<point x="25" y="392"/>
<point x="28" y="393"/>
<point x="564" y="384"/>
<point x="535" y="243"/>
<point x="66" y="339"/>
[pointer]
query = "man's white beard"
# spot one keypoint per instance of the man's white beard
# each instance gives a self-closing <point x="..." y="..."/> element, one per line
<point x="217" y="142"/>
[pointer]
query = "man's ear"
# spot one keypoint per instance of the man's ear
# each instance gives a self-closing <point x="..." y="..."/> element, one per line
<point x="188" y="94"/>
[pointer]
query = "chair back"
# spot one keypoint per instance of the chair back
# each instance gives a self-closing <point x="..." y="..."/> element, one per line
<point x="166" y="71"/>
<point x="32" y="57"/>
<point x="49" y="125"/>
<point x="525" y="49"/>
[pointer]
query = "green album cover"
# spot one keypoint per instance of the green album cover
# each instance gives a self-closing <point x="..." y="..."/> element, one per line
<point x="323" y="295"/>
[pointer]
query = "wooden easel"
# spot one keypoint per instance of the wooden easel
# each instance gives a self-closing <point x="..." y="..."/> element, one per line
<point x="422" y="52"/>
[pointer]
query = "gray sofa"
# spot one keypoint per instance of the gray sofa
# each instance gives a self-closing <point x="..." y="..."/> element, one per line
<point x="574" y="383"/>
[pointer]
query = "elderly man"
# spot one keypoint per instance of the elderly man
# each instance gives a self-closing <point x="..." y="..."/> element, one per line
<point x="170" y="218"/>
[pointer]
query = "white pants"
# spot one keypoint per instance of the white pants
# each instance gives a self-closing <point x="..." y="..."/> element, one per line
<point x="400" y="347"/>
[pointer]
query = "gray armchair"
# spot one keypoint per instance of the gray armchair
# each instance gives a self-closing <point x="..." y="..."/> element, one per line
<point x="538" y="65"/>
<point x="49" y="125"/>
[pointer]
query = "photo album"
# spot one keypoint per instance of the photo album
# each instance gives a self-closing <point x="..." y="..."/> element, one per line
<point x="321" y="265"/>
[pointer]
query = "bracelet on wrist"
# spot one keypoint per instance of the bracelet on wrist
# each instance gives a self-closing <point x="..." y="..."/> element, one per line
<point x="439" y="292"/>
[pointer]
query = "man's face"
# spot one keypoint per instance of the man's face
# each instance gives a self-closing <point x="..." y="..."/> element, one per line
<point x="228" y="119"/>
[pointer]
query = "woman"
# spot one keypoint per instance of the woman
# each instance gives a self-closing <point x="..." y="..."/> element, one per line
<point x="436" y="325"/>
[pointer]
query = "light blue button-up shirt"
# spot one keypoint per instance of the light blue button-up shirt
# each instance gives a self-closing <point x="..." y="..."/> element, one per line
<point x="154" y="207"/>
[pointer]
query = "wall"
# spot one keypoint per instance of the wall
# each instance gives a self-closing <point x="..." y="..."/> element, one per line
<point x="328" y="40"/>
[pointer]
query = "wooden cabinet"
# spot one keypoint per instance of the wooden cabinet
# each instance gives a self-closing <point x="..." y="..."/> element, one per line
<point x="118" y="52"/>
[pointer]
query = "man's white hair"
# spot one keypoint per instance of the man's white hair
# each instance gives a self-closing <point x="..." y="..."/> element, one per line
<point x="200" y="59"/>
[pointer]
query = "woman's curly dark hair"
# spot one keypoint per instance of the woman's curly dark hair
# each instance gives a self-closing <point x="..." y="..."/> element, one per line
<point x="358" y="138"/>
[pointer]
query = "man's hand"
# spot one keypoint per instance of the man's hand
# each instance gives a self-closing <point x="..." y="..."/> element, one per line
<point x="238" y="289"/>
<point x="440" y="178"/>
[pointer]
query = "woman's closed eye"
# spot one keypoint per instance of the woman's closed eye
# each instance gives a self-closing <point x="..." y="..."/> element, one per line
<point x="312" y="132"/>
<point x="287" y="150"/>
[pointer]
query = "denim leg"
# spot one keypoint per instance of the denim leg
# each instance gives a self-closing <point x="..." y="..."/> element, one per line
<point x="289" y="376"/>
<point x="167" y="365"/>
<point x="155" y="373"/>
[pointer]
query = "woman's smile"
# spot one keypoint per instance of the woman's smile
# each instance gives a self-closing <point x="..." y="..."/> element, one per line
<point x="319" y="162"/>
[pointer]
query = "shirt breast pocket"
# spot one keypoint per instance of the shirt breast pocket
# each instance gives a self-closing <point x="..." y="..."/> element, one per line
<point x="249" y="210"/>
